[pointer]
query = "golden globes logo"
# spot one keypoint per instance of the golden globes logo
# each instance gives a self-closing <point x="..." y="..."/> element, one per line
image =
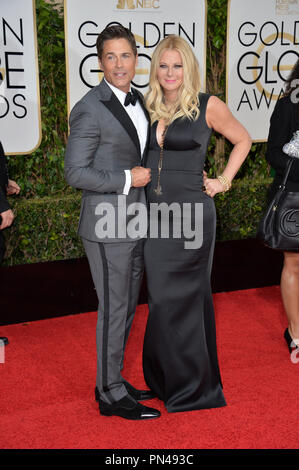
<point x="135" y="4"/>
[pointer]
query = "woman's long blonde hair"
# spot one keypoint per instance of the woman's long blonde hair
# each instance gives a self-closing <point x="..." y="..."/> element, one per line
<point x="187" y="104"/>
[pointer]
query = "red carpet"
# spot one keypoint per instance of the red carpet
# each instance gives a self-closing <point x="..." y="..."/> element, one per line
<point x="48" y="379"/>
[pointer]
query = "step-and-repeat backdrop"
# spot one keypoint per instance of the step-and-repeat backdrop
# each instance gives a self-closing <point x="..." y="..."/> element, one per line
<point x="262" y="47"/>
<point x="20" y="123"/>
<point x="149" y="20"/>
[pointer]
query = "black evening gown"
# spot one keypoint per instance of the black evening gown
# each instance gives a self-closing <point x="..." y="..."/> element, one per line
<point x="180" y="355"/>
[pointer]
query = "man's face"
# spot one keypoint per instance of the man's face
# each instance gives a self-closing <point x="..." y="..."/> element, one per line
<point x="118" y="63"/>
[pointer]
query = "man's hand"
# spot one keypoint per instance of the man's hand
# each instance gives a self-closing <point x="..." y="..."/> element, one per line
<point x="12" y="188"/>
<point x="7" y="219"/>
<point x="140" y="176"/>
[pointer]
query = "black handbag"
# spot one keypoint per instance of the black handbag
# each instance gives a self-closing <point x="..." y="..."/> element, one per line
<point x="279" y="227"/>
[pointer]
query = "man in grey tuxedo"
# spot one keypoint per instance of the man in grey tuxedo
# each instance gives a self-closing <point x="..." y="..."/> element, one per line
<point x="109" y="129"/>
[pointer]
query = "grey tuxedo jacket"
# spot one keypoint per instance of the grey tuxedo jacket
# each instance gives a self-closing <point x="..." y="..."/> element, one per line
<point x="103" y="142"/>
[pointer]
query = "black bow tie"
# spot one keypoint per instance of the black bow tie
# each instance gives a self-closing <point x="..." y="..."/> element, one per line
<point x="131" y="98"/>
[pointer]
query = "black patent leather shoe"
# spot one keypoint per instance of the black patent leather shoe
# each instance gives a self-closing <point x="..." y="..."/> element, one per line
<point x="289" y="340"/>
<point x="4" y="340"/>
<point x="138" y="395"/>
<point x="128" y="408"/>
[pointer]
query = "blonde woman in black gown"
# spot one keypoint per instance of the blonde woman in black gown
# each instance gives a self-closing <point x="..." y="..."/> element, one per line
<point x="180" y="356"/>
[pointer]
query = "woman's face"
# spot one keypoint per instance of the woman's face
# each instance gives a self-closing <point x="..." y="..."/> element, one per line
<point x="170" y="72"/>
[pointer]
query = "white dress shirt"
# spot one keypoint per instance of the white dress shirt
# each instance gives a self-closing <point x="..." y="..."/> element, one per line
<point x="140" y="122"/>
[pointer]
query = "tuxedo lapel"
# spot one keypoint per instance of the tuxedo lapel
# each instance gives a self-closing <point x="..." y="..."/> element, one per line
<point x="118" y="111"/>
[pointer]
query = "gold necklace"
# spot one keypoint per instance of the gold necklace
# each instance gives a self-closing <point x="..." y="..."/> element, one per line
<point x="158" y="189"/>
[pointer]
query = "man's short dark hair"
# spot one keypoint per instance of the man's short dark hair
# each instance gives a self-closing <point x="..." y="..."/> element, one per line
<point x="115" y="32"/>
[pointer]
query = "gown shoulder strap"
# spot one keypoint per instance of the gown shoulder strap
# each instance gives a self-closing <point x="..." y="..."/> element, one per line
<point x="203" y="100"/>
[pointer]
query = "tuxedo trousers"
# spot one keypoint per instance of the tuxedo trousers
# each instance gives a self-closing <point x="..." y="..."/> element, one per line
<point x="117" y="273"/>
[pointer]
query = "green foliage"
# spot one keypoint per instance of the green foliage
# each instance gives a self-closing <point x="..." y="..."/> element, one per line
<point x="216" y="19"/>
<point x="240" y="209"/>
<point x="255" y="164"/>
<point x="44" y="230"/>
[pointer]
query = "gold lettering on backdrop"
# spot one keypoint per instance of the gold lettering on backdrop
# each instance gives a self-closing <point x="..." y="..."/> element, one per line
<point x="122" y="3"/>
<point x="285" y="7"/>
<point x="132" y="4"/>
<point x="2" y="74"/>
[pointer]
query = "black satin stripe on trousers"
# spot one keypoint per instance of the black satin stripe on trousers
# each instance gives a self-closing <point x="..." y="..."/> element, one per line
<point x="106" y="323"/>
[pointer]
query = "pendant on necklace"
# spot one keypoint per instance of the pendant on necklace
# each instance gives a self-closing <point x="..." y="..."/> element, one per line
<point x="158" y="190"/>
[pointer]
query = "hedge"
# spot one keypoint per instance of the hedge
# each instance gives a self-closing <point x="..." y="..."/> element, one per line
<point x="45" y="228"/>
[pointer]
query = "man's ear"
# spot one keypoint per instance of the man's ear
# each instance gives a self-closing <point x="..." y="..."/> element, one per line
<point x="100" y="63"/>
